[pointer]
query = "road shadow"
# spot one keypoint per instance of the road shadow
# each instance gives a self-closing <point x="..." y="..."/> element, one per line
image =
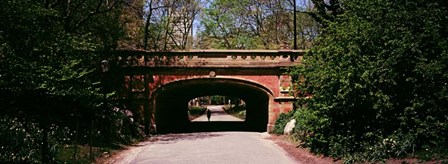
<point x="213" y="126"/>
<point x="174" y="137"/>
<point x="218" y="126"/>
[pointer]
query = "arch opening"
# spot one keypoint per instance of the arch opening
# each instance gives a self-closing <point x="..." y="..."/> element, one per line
<point x="171" y="104"/>
<point x="217" y="108"/>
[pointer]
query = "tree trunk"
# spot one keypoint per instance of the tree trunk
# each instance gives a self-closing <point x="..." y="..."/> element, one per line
<point x="148" y="21"/>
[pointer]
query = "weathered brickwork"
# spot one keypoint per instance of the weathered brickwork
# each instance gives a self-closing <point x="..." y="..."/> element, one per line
<point x="263" y="69"/>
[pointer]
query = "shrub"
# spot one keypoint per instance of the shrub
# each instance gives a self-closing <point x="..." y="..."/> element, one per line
<point x="377" y="80"/>
<point x="20" y="141"/>
<point x="195" y="112"/>
<point x="281" y="122"/>
<point x="236" y="111"/>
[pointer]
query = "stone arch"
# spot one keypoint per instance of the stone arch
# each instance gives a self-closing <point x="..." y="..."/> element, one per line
<point x="169" y="103"/>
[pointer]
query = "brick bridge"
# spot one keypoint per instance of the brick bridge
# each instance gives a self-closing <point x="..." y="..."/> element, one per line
<point x="158" y="86"/>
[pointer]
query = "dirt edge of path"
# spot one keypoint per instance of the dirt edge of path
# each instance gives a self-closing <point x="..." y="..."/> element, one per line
<point x="299" y="154"/>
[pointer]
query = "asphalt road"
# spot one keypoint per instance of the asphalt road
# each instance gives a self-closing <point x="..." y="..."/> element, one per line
<point x="206" y="148"/>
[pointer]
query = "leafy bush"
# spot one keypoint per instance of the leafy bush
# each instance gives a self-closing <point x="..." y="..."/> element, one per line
<point x="20" y="142"/>
<point x="195" y="112"/>
<point x="281" y="122"/>
<point x="236" y="111"/>
<point x="378" y="82"/>
<point x="50" y="90"/>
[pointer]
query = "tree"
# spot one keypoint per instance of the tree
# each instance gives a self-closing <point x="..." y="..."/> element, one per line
<point x="376" y="80"/>
<point x="326" y="10"/>
<point x="219" y="16"/>
<point x="132" y="20"/>
<point x="48" y="60"/>
<point x="250" y="24"/>
<point x="308" y="28"/>
<point x="169" y="23"/>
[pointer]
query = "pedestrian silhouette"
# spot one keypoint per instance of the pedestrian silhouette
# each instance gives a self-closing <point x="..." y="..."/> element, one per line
<point x="209" y="114"/>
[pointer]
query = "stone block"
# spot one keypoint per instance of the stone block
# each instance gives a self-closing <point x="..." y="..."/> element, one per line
<point x="289" y="127"/>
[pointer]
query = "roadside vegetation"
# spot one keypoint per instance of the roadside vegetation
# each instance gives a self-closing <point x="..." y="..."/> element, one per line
<point x="56" y="104"/>
<point x="374" y="86"/>
<point x="195" y="111"/>
<point x="60" y="89"/>
<point x="236" y="111"/>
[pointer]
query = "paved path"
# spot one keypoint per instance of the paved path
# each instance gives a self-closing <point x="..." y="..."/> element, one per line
<point x="206" y="148"/>
<point x="218" y="114"/>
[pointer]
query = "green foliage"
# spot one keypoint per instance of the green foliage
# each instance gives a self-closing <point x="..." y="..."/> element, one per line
<point x="20" y="141"/>
<point x="326" y="10"/>
<point x="195" y="112"/>
<point x="49" y="55"/>
<point x="281" y="122"/>
<point x="26" y="134"/>
<point x="374" y="85"/>
<point x="217" y="100"/>
<point x="253" y="24"/>
<point x="221" y="23"/>
<point x="236" y="111"/>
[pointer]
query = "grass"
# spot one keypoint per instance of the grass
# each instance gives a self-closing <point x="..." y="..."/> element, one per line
<point x="67" y="153"/>
<point x="79" y="154"/>
<point x="438" y="155"/>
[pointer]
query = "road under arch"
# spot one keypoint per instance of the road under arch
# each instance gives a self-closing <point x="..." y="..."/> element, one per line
<point x="170" y="103"/>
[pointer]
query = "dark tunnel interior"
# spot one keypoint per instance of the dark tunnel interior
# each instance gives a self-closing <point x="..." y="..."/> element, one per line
<point x="171" y="105"/>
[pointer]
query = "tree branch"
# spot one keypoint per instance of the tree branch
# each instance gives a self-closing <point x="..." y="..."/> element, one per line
<point x="93" y="13"/>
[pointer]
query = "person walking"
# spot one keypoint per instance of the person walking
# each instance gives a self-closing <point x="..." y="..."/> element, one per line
<point x="209" y="114"/>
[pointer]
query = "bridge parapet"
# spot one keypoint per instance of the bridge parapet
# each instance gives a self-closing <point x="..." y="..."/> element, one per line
<point x="211" y="58"/>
